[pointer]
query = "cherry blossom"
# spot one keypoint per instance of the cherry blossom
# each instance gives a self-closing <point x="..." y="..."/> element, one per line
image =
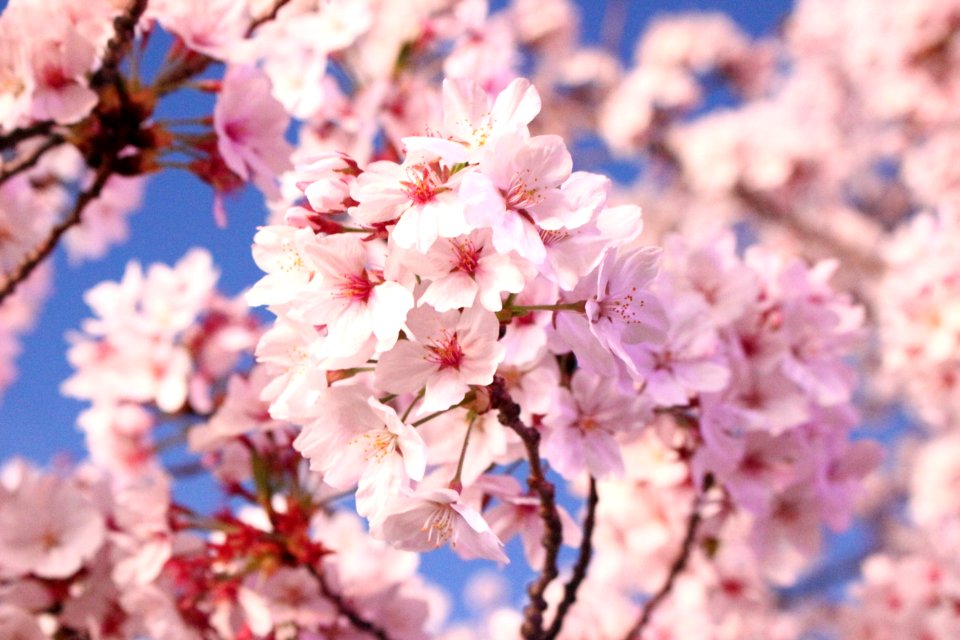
<point x="448" y="352"/>
<point x="419" y="522"/>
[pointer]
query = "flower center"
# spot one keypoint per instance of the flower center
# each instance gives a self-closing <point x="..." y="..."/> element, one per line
<point x="377" y="445"/>
<point x="522" y="194"/>
<point x="626" y="308"/>
<point x="424" y="183"/>
<point x="439" y="526"/>
<point x="468" y="256"/>
<point x="445" y="351"/>
<point x="356" y="286"/>
<point x="552" y="237"/>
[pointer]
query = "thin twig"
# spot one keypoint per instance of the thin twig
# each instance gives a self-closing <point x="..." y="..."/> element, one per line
<point x="344" y="608"/>
<point x="196" y="63"/>
<point x="124" y="28"/>
<point x="679" y="564"/>
<point x="267" y="17"/>
<point x="15" y="137"/>
<point x="580" y="567"/>
<point x="35" y="257"/>
<point x="509" y="416"/>
<point x="21" y="164"/>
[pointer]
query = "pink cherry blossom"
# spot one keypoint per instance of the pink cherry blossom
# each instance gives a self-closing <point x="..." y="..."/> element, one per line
<point x="582" y="426"/>
<point x="358" y="439"/>
<point x="250" y="126"/>
<point x="471" y="122"/>
<point x="351" y="297"/>
<point x="467" y="269"/>
<point x="447" y="353"/>
<point x="48" y="527"/>
<point x="430" y="519"/>
<point x="517" y="190"/>
<point x="421" y="196"/>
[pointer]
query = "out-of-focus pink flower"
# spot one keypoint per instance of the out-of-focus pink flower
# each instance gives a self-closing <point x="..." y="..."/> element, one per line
<point x="430" y="519"/>
<point x="47" y="527"/>
<point x="251" y="126"/>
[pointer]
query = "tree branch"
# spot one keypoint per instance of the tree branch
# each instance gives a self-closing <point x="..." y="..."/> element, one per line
<point x="15" y="137"/>
<point x="21" y="164"/>
<point x="267" y="17"/>
<point x="344" y="608"/>
<point x="679" y="564"/>
<point x="580" y="567"/>
<point x="124" y="28"/>
<point x="509" y="416"/>
<point x="35" y="257"/>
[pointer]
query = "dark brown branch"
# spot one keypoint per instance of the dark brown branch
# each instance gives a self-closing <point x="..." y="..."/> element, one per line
<point x="124" y="29"/>
<point x="15" y="137"/>
<point x="580" y="567"/>
<point x="35" y="257"/>
<point x="679" y="564"/>
<point x="509" y="416"/>
<point x="21" y="164"/>
<point x="267" y="17"/>
<point x="344" y="608"/>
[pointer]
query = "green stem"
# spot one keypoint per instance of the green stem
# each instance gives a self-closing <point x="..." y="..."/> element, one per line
<point x="430" y="417"/>
<point x="463" y="453"/>
<point x="566" y="306"/>
<point x="406" y="413"/>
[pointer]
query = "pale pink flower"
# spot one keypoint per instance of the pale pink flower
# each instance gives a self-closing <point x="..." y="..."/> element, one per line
<point x="352" y="438"/>
<point x="279" y="250"/>
<point x="573" y="253"/>
<point x="487" y="52"/>
<point x="351" y="297"/>
<point x="520" y="514"/>
<point x="251" y="126"/>
<point x="619" y="311"/>
<point x="296" y="375"/>
<point x="430" y="519"/>
<point x="420" y="196"/>
<point x="47" y="527"/>
<point x="465" y="269"/>
<point x="688" y="362"/>
<point x="448" y="352"/>
<point x="525" y="339"/>
<point x="582" y="427"/>
<point x="470" y="122"/>
<point x="517" y="190"/>
<point x="60" y="68"/>
<point x="214" y="28"/>
<point x="325" y="180"/>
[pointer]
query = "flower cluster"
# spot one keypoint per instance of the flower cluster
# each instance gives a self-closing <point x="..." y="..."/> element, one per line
<point x="392" y="285"/>
<point x="162" y="343"/>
